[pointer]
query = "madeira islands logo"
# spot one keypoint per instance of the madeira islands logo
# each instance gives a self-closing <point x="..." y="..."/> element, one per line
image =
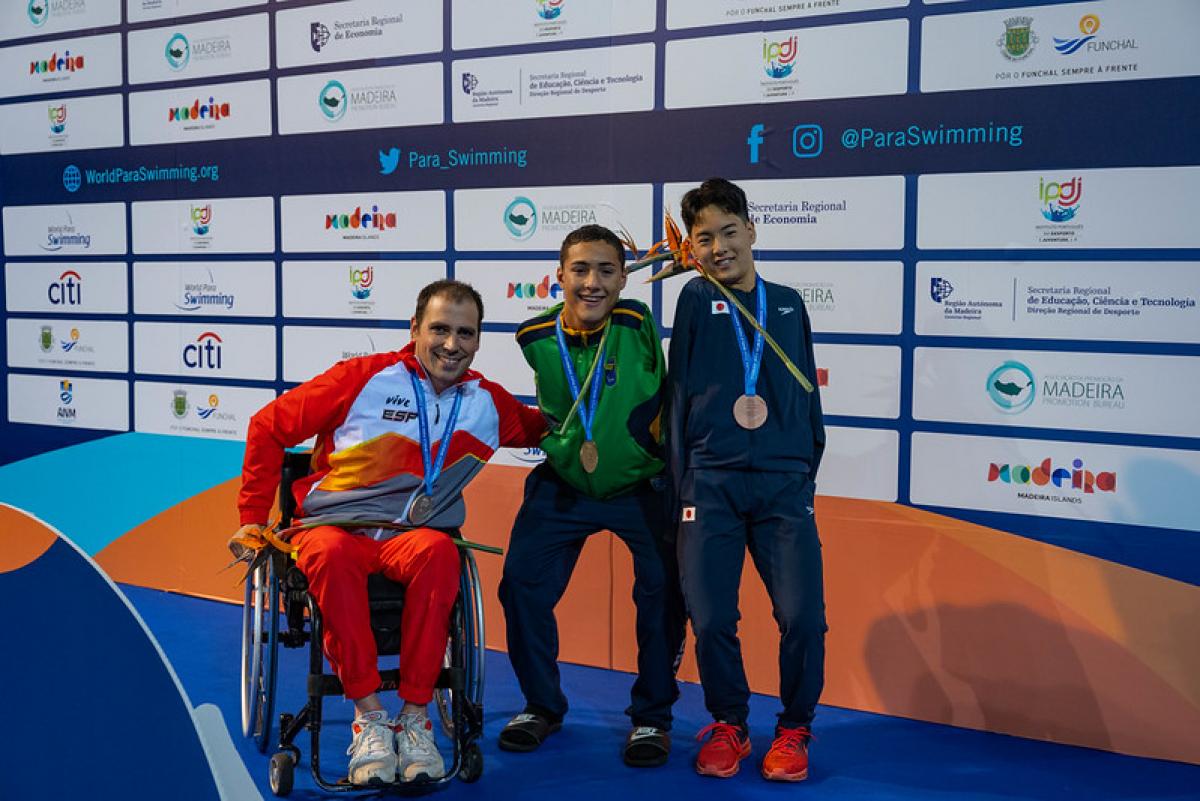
<point x="1019" y="39"/>
<point x="333" y="101"/>
<point x="1060" y="200"/>
<point x="549" y="9"/>
<point x="520" y="218"/>
<point x="779" y="58"/>
<point x="1011" y="387"/>
<point x="38" y="11"/>
<point x="1089" y="26"/>
<point x="178" y="52"/>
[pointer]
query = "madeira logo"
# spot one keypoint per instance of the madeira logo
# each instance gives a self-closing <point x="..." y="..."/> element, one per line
<point x="1060" y="201"/>
<point x="178" y="52"/>
<point x="359" y="219"/>
<point x="210" y="111"/>
<point x="541" y="290"/>
<point x="1011" y="387"/>
<point x="1019" y="39"/>
<point x="333" y="101"/>
<point x="520" y="218"/>
<point x="38" y="11"/>
<point x="56" y="63"/>
<point x="779" y="58"/>
<point x="1046" y="473"/>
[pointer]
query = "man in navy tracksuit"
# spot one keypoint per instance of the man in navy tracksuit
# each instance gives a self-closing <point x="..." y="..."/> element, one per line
<point x="745" y="440"/>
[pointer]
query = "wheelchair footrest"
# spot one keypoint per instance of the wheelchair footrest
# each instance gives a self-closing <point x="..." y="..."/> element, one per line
<point x="329" y="685"/>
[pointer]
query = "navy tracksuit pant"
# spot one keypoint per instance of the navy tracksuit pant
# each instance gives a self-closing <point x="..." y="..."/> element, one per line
<point x="727" y="512"/>
<point x="547" y="537"/>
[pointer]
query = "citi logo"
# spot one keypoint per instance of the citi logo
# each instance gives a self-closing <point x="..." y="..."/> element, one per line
<point x="1045" y="473"/>
<point x="544" y="289"/>
<point x="67" y="290"/>
<point x="204" y="353"/>
<point x="359" y="219"/>
<point x="212" y="110"/>
<point x="56" y="63"/>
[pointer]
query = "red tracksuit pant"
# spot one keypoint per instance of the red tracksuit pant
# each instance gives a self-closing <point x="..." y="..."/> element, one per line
<point x="337" y="564"/>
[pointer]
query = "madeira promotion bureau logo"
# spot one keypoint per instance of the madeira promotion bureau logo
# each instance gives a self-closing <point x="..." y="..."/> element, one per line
<point x="1019" y="39"/>
<point x="38" y="11"/>
<point x="178" y="52"/>
<point x="333" y="101"/>
<point x="550" y="9"/>
<point x="520" y="218"/>
<point x="1060" y="200"/>
<point x="336" y="99"/>
<point x="1011" y="387"/>
<point x="779" y="58"/>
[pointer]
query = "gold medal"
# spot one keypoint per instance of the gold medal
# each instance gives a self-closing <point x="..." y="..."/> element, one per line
<point x="589" y="456"/>
<point x="750" y="411"/>
<point x="421" y="510"/>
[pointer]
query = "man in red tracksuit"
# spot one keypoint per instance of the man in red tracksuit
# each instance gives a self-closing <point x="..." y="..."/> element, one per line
<point x="399" y="435"/>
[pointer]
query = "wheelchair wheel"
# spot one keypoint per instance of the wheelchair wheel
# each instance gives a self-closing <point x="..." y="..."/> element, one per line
<point x="472" y="764"/>
<point x="281" y="773"/>
<point x="466" y="642"/>
<point x="260" y="643"/>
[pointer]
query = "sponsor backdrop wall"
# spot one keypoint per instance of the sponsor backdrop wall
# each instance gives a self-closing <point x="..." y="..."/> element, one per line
<point x="988" y="208"/>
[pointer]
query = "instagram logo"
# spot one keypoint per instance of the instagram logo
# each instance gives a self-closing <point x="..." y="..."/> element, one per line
<point x="807" y="141"/>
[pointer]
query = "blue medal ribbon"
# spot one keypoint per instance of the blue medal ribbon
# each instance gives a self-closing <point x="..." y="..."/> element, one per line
<point x="433" y="468"/>
<point x="750" y="368"/>
<point x="587" y="414"/>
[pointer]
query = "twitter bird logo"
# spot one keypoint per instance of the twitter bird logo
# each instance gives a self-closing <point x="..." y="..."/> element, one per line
<point x="389" y="161"/>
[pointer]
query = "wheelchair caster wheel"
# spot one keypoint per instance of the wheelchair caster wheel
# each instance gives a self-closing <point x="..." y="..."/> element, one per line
<point x="282" y="772"/>
<point x="472" y="764"/>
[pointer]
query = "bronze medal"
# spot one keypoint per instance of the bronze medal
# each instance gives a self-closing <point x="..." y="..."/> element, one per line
<point x="750" y="411"/>
<point x="589" y="456"/>
<point x="421" y="510"/>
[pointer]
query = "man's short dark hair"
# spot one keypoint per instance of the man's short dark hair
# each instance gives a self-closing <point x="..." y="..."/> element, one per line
<point x="725" y="195"/>
<point x="592" y="233"/>
<point x="453" y="291"/>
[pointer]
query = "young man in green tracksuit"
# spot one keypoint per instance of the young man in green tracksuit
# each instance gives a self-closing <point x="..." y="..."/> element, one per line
<point x="599" y="368"/>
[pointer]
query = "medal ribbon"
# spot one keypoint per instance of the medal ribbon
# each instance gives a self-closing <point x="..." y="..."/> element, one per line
<point x="433" y="468"/>
<point x="750" y="368"/>
<point x="587" y="413"/>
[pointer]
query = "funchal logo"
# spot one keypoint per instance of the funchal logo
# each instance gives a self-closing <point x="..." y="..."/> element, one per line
<point x="333" y="101"/>
<point x="542" y="290"/>
<point x="1046" y="473"/>
<point x="1019" y="39"/>
<point x="1089" y="26"/>
<point x="549" y="9"/>
<point x="779" y="58"/>
<point x="359" y="219"/>
<point x="318" y="36"/>
<point x="38" y="11"/>
<point x="201" y="219"/>
<point x="1012" y="387"/>
<point x="361" y="282"/>
<point x="178" y="52"/>
<point x="68" y="345"/>
<point x="940" y="289"/>
<point x="211" y="111"/>
<point x="1060" y="201"/>
<point x="58" y="118"/>
<point x="56" y="63"/>
<point x="520" y="218"/>
<point x="205" y="412"/>
<point x="67" y="290"/>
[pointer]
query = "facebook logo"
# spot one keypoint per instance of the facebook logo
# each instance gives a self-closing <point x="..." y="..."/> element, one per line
<point x="755" y="141"/>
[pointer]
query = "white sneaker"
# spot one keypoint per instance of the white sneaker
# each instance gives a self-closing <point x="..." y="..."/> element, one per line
<point x="415" y="748"/>
<point x="372" y="756"/>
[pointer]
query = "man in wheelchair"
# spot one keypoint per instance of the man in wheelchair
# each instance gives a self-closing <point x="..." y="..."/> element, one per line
<point x="398" y="437"/>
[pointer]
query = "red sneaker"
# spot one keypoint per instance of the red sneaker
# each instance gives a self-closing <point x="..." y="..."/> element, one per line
<point x="787" y="761"/>
<point x="726" y="747"/>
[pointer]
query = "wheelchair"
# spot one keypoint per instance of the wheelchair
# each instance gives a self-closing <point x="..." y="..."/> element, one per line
<point x="279" y="611"/>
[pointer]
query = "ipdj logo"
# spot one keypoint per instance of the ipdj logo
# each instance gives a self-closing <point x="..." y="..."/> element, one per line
<point x="72" y="178"/>
<point x="38" y="11"/>
<point x="205" y="412"/>
<point x="1060" y="201"/>
<point x="178" y="52"/>
<point x="361" y="281"/>
<point x="1011" y="387"/>
<point x="940" y="289"/>
<point x="58" y="118"/>
<point x="201" y="217"/>
<point x="520" y="218"/>
<point x="333" y="101"/>
<point x="1019" y="39"/>
<point x="318" y="36"/>
<point x="1089" y="26"/>
<point x="549" y="9"/>
<point x="66" y="392"/>
<point x="67" y="290"/>
<point x="779" y="58"/>
<point x="469" y="82"/>
<point x="204" y="353"/>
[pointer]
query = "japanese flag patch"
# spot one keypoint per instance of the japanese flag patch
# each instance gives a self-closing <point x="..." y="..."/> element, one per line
<point x="720" y="307"/>
<point x="689" y="514"/>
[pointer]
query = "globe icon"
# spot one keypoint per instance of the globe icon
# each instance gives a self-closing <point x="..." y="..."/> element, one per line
<point x="72" y="178"/>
